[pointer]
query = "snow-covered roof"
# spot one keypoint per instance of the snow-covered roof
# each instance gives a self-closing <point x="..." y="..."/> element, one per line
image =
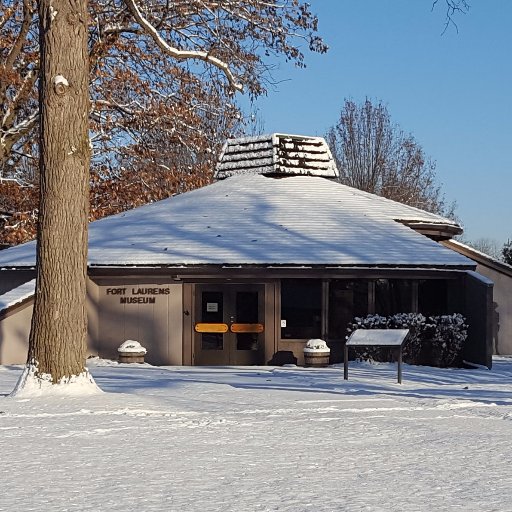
<point x="479" y="256"/>
<point x="276" y="154"/>
<point x="17" y="295"/>
<point x="252" y="219"/>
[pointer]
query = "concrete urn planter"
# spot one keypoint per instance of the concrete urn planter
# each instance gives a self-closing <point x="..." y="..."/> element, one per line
<point x="316" y="354"/>
<point x="131" y="351"/>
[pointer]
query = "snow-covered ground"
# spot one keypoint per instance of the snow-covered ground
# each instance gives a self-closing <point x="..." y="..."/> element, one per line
<point x="262" y="439"/>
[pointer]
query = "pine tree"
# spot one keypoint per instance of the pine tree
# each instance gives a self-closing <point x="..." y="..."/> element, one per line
<point x="507" y="252"/>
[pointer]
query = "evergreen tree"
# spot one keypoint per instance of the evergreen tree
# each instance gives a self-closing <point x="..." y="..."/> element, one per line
<point x="507" y="252"/>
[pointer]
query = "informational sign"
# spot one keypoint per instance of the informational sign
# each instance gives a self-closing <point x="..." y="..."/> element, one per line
<point x="377" y="337"/>
<point x="283" y="323"/>
<point x="212" y="307"/>
<point x="392" y="338"/>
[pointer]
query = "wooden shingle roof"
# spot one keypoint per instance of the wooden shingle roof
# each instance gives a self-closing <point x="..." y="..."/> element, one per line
<point x="256" y="220"/>
<point x="277" y="155"/>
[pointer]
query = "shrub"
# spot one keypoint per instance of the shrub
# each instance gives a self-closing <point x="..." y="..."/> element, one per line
<point x="435" y="341"/>
<point x="446" y="335"/>
<point x="411" y="321"/>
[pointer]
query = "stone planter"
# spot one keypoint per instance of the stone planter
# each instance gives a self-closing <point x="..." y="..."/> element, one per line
<point x="316" y="359"/>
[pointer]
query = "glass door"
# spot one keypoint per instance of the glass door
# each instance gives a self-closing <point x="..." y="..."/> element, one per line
<point x="247" y="325"/>
<point x="228" y="325"/>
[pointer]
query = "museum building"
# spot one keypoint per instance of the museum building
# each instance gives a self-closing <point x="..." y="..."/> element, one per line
<point x="244" y="271"/>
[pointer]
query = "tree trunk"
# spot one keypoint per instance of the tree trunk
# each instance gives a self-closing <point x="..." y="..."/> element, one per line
<point x="59" y="323"/>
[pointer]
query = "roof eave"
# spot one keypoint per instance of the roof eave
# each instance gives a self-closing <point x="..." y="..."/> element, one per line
<point x="98" y="269"/>
<point x="434" y="230"/>
<point x="479" y="257"/>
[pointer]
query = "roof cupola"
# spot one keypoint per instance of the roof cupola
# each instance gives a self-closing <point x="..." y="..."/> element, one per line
<point x="277" y="155"/>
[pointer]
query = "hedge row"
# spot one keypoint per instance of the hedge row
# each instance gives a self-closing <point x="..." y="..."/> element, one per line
<point x="433" y="340"/>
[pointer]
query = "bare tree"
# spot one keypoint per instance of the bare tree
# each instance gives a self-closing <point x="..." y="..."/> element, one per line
<point x="488" y="246"/>
<point x="224" y="44"/>
<point x="153" y="63"/>
<point x="453" y="8"/>
<point x="375" y="155"/>
<point x="158" y="70"/>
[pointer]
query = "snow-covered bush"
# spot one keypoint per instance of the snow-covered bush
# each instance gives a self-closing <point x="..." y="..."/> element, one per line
<point x="412" y="347"/>
<point x="446" y="335"/>
<point x="435" y="341"/>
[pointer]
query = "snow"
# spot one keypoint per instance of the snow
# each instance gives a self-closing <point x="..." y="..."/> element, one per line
<point x="254" y="220"/>
<point x="276" y="153"/>
<point x="132" y="346"/>
<point x="257" y="162"/>
<point x="17" y="295"/>
<point x="379" y="337"/>
<point x="262" y="439"/>
<point x="30" y="385"/>
<point x="316" y="345"/>
<point x="59" y="81"/>
<point x="481" y="255"/>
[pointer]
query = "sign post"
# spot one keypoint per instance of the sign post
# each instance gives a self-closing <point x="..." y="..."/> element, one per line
<point x="392" y="338"/>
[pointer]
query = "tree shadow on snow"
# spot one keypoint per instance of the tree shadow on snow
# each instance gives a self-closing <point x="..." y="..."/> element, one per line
<point x="365" y="380"/>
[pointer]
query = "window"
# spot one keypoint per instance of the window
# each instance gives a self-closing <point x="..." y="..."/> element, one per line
<point x="301" y="308"/>
<point x="347" y="299"/>
<point x="247" y="313"/>
<point x="212" y="312"/>
<point x="432" y="297"/>
<point x="393" y="296"/>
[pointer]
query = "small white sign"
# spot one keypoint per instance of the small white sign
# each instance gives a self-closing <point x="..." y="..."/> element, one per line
<point x="283" y="323"/>
<point x="212" y="307"/>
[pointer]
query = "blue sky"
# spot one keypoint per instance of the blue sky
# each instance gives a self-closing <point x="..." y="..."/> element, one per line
<point x="453" y="92"/>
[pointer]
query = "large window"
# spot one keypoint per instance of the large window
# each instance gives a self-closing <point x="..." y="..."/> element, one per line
<point x="432" y="297"/>
<point x="301" y="308"/>
<point x="347" y="299"/>
<point x="393" y="296"/>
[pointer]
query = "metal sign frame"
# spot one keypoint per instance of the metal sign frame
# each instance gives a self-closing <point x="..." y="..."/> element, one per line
<point x="391" y="338"/>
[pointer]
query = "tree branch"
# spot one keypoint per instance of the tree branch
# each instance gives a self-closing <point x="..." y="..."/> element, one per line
<point x="28" y="12"/>
<point x="20" y="97"/>
<point x="181" y="54"/>
<point x="6" y="16"/>
<point x="12" y="135"/>
<point x="453" y="7"/>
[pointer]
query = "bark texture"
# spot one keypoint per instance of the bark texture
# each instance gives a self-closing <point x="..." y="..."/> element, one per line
<point x="59" y="323"/>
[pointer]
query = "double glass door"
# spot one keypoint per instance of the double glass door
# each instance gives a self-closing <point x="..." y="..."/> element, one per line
<point x="229" y="325"/>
